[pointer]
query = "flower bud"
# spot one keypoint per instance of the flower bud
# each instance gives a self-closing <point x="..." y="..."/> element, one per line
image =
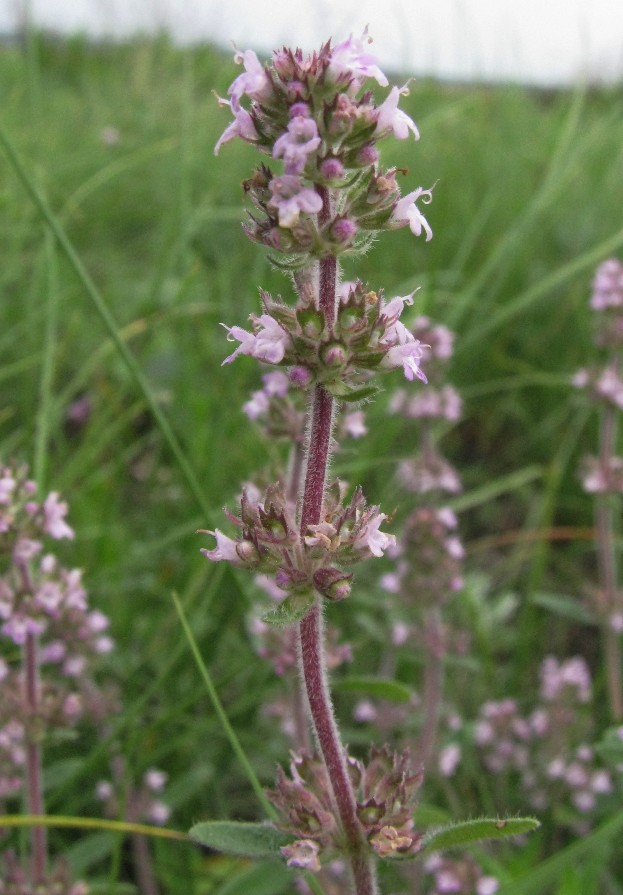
<point x="300" y="376"/>
<point x="332" y="169"/>
<point x="367" y="155"/>
<point x="311" y="322"/>
<point x="332" y="583"/>
<point x="334" y="354"/>
<point x="343" y="230"/>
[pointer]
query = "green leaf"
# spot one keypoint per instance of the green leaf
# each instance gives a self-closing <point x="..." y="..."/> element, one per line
<point x="377" y="687"/>
<point x="360" y="394"/>
<point x="567" y="607"/>
<point x="610" y="748"/>
<point x="292" y="610"/>
<point x="469" y="831"/>
<point x="250" y="840"/>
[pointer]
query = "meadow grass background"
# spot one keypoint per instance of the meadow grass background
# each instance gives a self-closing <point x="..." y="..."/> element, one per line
<point x="527" y="202"/>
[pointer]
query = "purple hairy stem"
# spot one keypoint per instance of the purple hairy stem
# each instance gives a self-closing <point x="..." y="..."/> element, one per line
<point x="311" y="645"/>
<point x="34" y="786"/>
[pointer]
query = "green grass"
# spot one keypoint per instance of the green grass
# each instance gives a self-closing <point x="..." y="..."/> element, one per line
<point x="527" y="202"/>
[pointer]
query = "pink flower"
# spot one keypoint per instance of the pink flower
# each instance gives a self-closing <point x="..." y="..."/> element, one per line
<point x="406" y="212"/>
<point x="159" y="813"/>
<point x="300" y="140"/>
<point x="487" y="885"/>
<point x="225" y="548"/>
<point x="256" y="405"/>
<point x="374" y="540"/>
<point x="449" y="758"/>
<point x="350" y="61"/>
<point x="7" y="486"/>
<point x="394" y="308"/>
<point x="253" y="82"/>
<point x="268" y="344"/>
<point x="276" y="383"/>
<point x="155" y="779"/>
<point x="302" y="853"/>
<point x="354" y="424"/>
<point x="608" y="285"/>
<point x="290" y="197"/>
<point x="404" y="350"/>
<point x="391" y="118"/>
<point x="54" y="511"/>
<point x="242" y="126"/>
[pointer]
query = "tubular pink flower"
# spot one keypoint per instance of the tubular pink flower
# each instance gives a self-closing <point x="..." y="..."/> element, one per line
<point x="268" y="344"/>
<point x="290" y="197"/>
<point x="300" y="140"/>
<point x="256" y="405"/>
<point x="350" y="60"/>
<point x="242" y="126"/>
<point x="54" y="511"/>
<point x="225" y="548"/>
<point x="394" y="308"/>
<point x="253" y="82"/>
<point x="391" y="118"/>
<point x="404" y="350"/>
<point x="302" y="853"/>
<point x="376" y="541"/>
<point x="406" y="212"/>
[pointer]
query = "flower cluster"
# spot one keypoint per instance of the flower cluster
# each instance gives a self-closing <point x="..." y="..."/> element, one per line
<point x="41" y="599"/>
<point x="142" y="803"/>
<point x="314" y="115"/>
<point x="428" y="534"/>
<point x="46" y="622"/>
<point x="607" y="300"/>
<point x="269" y="542"/>
<point x="275" y="408"/>
<point x="428" y="470"/>
<point x="604" y="384"/>
<point x="460" y="876"/>
<point x="366" y="335"/>
<point x="547" y="748"/>
<point x="386" y="792"/>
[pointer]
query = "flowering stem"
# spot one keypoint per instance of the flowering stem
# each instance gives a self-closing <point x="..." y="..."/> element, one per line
<point x="311" y="646"/>
<point x="34" y="787"/>
<point x="433" y="685"/>
<point x="607" y="571"/>
<point x="314" y="674"/>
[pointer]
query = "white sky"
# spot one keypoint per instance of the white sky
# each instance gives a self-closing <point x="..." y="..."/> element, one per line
<point x="543" y="41"/>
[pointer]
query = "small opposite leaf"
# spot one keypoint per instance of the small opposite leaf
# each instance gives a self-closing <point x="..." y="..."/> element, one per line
<point x="292" y="610"/>
<point x="461" y="834"/>
<point x="377" y="687"/>
<point x="245" y="839"/>
<point x="360" y="394"/>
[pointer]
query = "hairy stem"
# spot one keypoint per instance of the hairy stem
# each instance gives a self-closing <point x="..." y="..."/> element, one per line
<point x="34" y="786"/>
<point x="311" y="640"/>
